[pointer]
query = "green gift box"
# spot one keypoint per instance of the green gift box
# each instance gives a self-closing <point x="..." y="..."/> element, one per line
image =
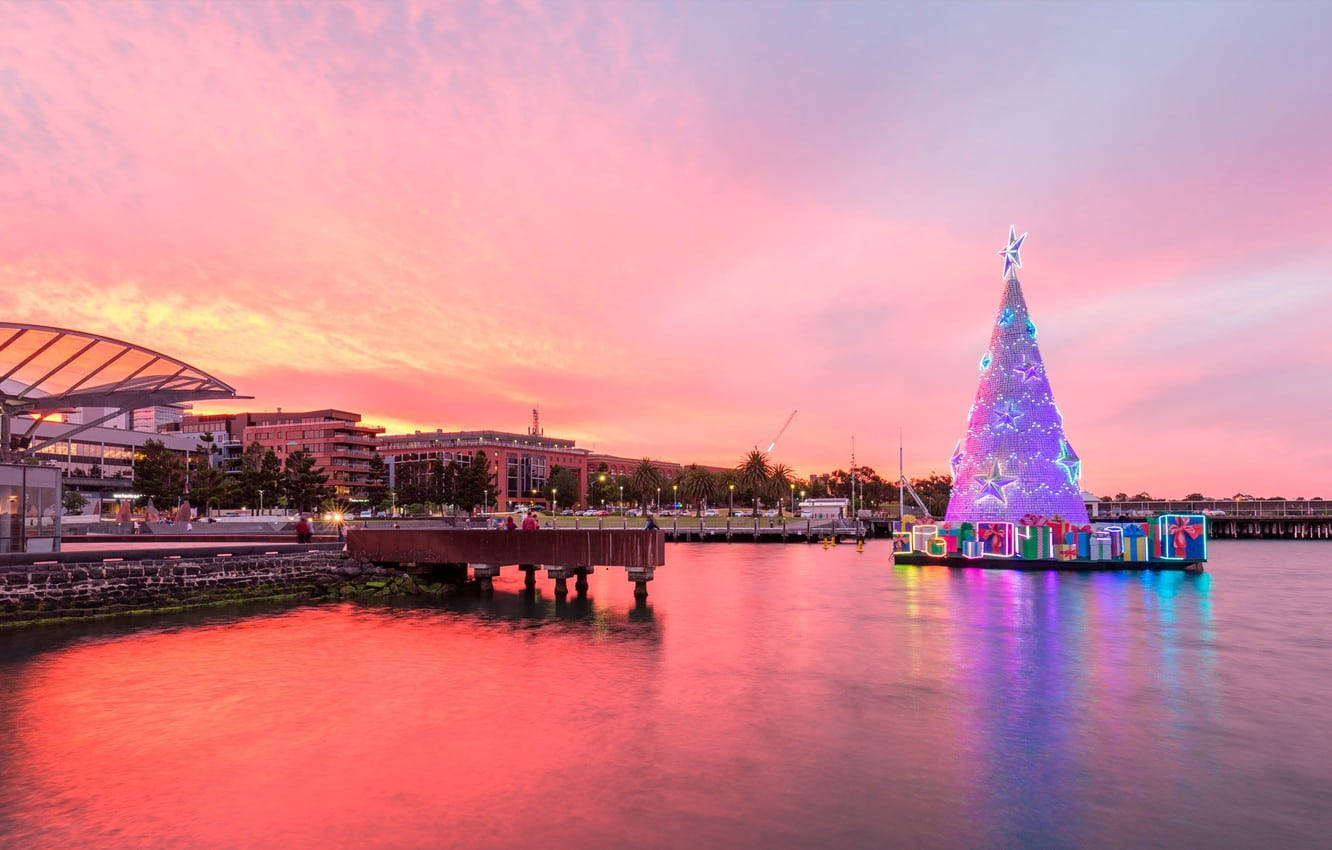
<point x="1035" y="542"/>
<point x="966" y="531"/>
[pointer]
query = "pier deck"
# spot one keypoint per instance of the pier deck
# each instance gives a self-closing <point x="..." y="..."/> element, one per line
<point x="563" y="553"/>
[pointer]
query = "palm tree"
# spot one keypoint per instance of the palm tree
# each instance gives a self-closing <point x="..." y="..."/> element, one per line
<point x="697" y="485"/>
<point x="753" y="473"/>
<point x="779" y="482"/>
<point x="645" y="480"/>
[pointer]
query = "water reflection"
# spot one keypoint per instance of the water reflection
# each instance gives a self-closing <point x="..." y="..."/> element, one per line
<point x="765" y="695"/>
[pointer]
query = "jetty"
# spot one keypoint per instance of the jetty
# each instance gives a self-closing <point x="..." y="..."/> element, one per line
<point x="562" y="553"/>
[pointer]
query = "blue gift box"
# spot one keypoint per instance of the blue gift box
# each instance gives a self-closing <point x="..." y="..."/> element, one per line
<point x="1081" y="539"/>
<point x="1182" y="537"/>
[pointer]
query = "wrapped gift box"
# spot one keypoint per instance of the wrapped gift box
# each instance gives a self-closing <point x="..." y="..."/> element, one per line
<point x="1100" y="546"/>
<point x="1035" y="542"/>
<point x="949" y="533"/>
<point x="1116" y="540"/>
<point x="966" y="531"/>
<point x="971" y="548"/>
<point x="1066" y="551"/>
<point x="1182" y="537"/>
<point x="936" y="546"/>
<point x="920" y="537"/>
<point x="1082" y="539"/>
<point x="996" y="539"/>
<point x="1137" y="543"/>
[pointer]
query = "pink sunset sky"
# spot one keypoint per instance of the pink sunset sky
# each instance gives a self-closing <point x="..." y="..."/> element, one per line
<point x="668" y="225"/>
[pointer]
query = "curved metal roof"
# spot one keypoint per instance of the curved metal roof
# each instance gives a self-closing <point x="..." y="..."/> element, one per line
<point x="44" y="368"/>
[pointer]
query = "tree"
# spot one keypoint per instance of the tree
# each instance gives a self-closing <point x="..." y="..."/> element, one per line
<point x="209" y="484"/>
<point x="645" y="481"/>
<point x="474" y="481"/>
<point x="601" y="485"/>
<point x="752" y="476"/>
<point x="1144" y="496"/>
<point x="697" y="486"/>
<point x="779" y="482"/>
<point x="260" y="469"/>
<point x="304" y="486"/>
<point x="72" y="501"/>
<point x="561" y="488"/>
<point x="1121" y="497"/>
<point x="435" y="483"/>
<point x="1194" y="497"/>
<point x="934" y="490"/>
<point x="159" y="474"/>
<point x="376" y="484"/>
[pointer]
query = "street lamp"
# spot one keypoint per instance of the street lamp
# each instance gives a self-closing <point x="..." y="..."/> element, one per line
<point x="792" y="500"/>
<point x="730" y="504"/>
<point x="658" y="500"/>
<point x="675" y="495"/>
<point x="261" y="501"/>
<point x="621" y="498"/>
<point x="485" y="504"/>
<point x="554" y="498"/>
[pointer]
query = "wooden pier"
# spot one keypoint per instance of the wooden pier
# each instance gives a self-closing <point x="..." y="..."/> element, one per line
<point x="563" y="553"/>
<point x="1270" y="528"/>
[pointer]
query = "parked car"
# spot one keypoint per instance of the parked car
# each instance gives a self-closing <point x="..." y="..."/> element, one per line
<point x="710" y="512"/>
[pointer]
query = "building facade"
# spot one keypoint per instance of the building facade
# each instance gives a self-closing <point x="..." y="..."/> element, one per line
<point x="341" y="446"/>
<point x="157" y="418"/>
<point x="520" y="464"/>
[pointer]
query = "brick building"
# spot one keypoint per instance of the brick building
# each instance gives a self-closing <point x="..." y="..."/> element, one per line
<point x="520" y="464"/>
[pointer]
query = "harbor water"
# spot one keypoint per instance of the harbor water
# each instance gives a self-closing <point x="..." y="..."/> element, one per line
<point x="765" y="696"/>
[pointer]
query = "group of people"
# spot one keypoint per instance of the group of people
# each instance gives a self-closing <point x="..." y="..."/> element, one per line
<point x="531" y="523"/>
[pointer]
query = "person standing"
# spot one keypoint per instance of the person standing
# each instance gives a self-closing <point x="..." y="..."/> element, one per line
<point x="530" y="523"/>
<point x="304" y="534"/>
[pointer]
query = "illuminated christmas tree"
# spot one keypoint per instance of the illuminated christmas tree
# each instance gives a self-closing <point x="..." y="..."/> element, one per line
<point x="1014" y="460"/>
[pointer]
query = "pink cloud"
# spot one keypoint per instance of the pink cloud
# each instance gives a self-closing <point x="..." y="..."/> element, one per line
<point x="445" y="215"/>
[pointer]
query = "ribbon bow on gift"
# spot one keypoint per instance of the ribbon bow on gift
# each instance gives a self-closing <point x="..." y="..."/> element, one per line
<point x="1180" y="531"/>
<point x="1133" y="532"/>
<point x="996" y="533"/>
<point x="1032" y="519"/>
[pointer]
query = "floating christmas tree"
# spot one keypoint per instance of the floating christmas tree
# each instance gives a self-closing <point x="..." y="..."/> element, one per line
<point x="1014" y="460"/>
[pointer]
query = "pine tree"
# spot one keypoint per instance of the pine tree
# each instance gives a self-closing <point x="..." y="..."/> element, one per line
<point x="159" y="474"/>
<point x="1014" y="459"/>
<point x="304" y="486"/>
<point x="474" y="482"/>
<point x="376" y="484"/>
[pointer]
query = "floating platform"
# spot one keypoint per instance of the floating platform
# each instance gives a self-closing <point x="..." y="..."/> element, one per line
<point x="920" y="559"/>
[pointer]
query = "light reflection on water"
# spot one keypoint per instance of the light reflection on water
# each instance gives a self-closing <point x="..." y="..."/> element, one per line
<point x="767" y="695"/>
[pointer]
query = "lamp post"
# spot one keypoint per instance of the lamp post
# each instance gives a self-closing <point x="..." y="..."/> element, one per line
<point x="675" y="496"/>
<point x="658" y="500"/>
<point x="792" y="500"/>
<point x="261" y="502"/>
<point x="554" y="499"/>
<point x="621" y="498"/>
<point x="485" y="503"/>
<point x="730" y="503"/>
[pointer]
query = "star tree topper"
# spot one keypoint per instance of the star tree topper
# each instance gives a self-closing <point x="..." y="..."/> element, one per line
<point x="1012" y="252"/>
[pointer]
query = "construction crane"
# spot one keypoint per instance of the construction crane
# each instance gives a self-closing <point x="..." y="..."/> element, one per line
<point x="782" y="431"/>
<point x="904" y="486"/>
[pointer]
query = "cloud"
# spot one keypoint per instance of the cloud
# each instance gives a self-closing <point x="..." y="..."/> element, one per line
<point x="668" y="226"/>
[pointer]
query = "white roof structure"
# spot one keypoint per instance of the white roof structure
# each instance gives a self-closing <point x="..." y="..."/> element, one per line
<point x="44" y="370"/>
